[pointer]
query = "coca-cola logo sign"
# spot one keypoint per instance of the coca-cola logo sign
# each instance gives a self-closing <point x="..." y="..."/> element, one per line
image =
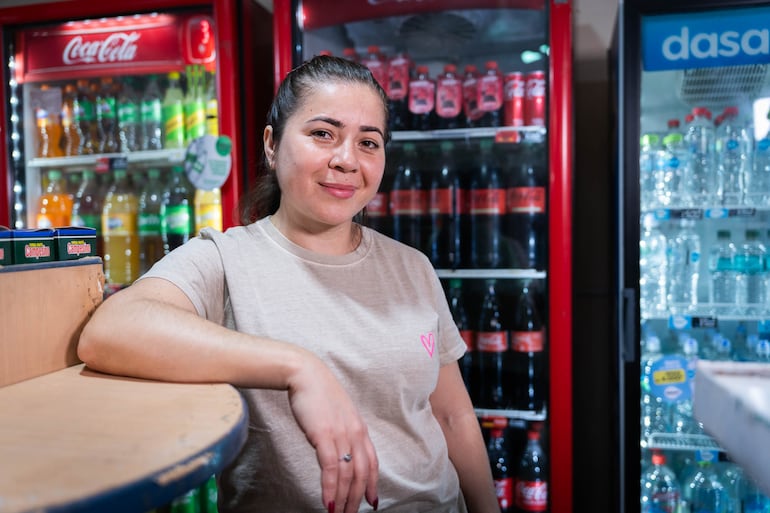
<point x="151" y="43"/>
<point x="116" y="47"/>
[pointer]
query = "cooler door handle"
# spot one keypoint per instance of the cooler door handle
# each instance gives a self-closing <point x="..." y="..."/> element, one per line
<point x="629" y="326"/>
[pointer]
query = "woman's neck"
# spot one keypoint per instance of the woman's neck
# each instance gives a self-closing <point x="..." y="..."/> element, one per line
<point x="326" y="240"/>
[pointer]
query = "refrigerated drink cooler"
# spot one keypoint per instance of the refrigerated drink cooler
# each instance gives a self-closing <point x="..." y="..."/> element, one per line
<point x="478" y="177"/>
<point x="692" y="240"/>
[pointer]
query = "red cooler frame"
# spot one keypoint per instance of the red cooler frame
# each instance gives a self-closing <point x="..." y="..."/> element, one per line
<point x="226" y="23"/>
<point x="560" y="140"/>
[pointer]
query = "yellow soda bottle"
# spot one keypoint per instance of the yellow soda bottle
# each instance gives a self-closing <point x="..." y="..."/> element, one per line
<point x="120" y="231"/>
<point x="173" y="114"/>
<point x="54" y="205"/>
<point x="208" y="209"/>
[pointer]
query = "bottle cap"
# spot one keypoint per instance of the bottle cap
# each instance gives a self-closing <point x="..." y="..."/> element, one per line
<point x="658" y="458"/>
<point x="533" y="435"/>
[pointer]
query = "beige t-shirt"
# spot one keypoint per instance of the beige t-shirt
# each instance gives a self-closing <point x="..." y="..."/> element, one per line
<point x="377" y="316"/>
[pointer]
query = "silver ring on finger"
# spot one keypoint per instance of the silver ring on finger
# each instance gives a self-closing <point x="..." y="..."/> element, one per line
<point x="347" y="457"/>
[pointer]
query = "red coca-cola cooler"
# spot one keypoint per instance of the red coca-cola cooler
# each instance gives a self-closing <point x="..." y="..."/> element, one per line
<point x="479" y="177"/>
<point x="49" y="48"/>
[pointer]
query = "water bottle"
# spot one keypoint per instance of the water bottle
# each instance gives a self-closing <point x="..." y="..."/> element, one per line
<point x="660" y="490"/>
<point x="733" y="150"/>
<point x="682" y="420"/>
<point x="705" y="491"/>
<point x="757" y="184"/>
<point x="652" y="269"/>
<point x="675" y="162"/>
<point x="749" y="286"/>
<point x="754" y="501"/>
<point x="722" y="274"/>
<point x="682" y="264"/>
<point x="697" y="184"/>
<point x="655" y="412"/>
<point x="651" y="165"/>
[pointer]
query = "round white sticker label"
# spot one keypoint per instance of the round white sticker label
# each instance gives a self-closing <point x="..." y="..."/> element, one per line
<point x="208" y="161"/>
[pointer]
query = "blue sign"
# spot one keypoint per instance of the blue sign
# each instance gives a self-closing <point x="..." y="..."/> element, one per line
<point x="706" y="39"/>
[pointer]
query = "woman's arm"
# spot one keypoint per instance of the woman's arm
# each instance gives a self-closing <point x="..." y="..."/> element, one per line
<point x="454" y="411"/>
<point x="151" y="330"/>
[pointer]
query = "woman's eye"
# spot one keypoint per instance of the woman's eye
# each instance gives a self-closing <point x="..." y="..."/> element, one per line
<point x="321" y="133"/>
<point x="372" y="145"/>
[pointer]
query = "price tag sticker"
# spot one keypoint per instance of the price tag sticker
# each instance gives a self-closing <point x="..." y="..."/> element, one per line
<point x="208" y="161"/>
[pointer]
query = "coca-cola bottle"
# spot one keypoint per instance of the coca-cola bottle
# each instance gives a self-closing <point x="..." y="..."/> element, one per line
<point x="449" y="99"/>
<point x="531" y="491"/>
<point x="408" y="200"/>
<point x="502" y="472"/>
<point x="377" y="64"/>
<point x="527" y="354"/>
<point x="471" y="111"/>
<point x="487" y="210"/>
<point x="460" y="316"/>
<point x="491" y="95"/>
<point x="378" y="209"/>
<point x="526" y="209"/>
<point x="493" y="353"/>
<point x="446" y="203"/>
<point x="399" y="70"/>
<point x="422" y="98"/>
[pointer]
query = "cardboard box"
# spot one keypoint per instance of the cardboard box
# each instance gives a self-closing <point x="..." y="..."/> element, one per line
<point x="6" y="246"/>
<point x="73" y="242"/>
<point x="43" y="308"/>
<point x="33" y="245"/>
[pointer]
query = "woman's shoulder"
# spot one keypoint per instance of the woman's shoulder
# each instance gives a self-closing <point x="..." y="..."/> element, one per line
<point x="396" y="248"/>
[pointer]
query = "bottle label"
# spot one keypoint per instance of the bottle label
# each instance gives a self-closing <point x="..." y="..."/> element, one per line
<point x="208" y="216"/>
<point x="177" y="219"/>
<point x="149" y="224"/>
<point x="446" y="201"/>
<point x="408" y="202"/>
<point x="527" y="341"/>
<point x="85" y="110"/>
<point x="471" y="99"/>
<point x="107" y="109"/>
<point x="422" y="95"/>
<point x="89" y="221"/>
<point x="492" y="341"/>
<point x="526" y="200"/>
<point x="467" y="336"/>
<point x="488" y="201"/>
<point x="174" y="124"/>
<point x="151" y="111"/>
<point x="449" y="94"/>
<point x="398" y="78"/>
<point x="490" y="93"/>
<point x="128" y="114"/>
<point x="531" y="495"/>
<point x="118" y="225"/>
<point x="379" y="70"/>
<point x="378" y="207"/>
<point x="504" y="492"/>
<point x="195" y="119"/>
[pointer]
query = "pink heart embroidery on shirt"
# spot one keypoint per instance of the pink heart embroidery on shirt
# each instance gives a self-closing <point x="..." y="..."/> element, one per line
<point x="429" y="343"/>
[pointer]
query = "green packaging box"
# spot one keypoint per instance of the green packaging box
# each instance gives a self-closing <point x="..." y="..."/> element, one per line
<point x="73" y="242"/>
<point x="6" y="249"/>
<point x="33" y="245"/>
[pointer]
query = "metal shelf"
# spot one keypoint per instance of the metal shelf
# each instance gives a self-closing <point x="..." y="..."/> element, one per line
<point x="465" y="133"/>
<point x="145" y="158"/>
<point x="512" y="414"/>
<point x="504" y="274"/>
<point x="681" y="442"/>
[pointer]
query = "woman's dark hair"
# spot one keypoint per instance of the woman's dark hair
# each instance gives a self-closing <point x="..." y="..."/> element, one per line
<point x="263" y="199"/>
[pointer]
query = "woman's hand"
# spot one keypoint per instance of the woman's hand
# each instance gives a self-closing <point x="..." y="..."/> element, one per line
<point x="333" y="426"/>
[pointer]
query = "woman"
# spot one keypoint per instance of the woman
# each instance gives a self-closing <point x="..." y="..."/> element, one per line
<point x="339" y="338"/>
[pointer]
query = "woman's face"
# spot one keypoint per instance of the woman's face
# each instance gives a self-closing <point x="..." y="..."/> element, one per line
<point x="332" y="155"/>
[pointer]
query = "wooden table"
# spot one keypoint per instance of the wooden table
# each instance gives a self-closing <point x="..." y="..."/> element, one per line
<point x="78" y="440"/>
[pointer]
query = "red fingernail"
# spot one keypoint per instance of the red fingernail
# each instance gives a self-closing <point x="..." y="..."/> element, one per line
<point x="331" y="507"/>
<point x="375" y="503"/>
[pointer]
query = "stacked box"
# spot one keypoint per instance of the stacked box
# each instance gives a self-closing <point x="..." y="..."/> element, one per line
<point x="73" y="242"/>
<point x="33" y="245"/>
<point x="6" y="250"/>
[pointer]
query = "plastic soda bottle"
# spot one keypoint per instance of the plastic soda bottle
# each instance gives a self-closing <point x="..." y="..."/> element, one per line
<point x="129" y="117"/>
<point x="422" y="98"/>
<point x="120" y="232"/>
<point x="44" y="134"/>
<point x="487" y="210"/>
<point x="85" y="117"/>
<point x="502" y="472"/>
<point x="177" y="216"/>
<point x="492" y="345"/>
<point x="660" y="488"/>
<point x="173" y="114"/>
<point x="208" y="209"/>
<point x="194" y="104"/>
<point x="460" y="315"/>
<point x="107" y="116"/>
<point x="491" y="94"/>
<point x="70" y="136"/>
<point x="151" y="111"/>
<point x="408" y="204"/>
<point x="87" y="208"/>
<point x="449" y="98"/>
<point x="446" y="201"/>
<point x="54" y="205"/>
<point x="212" y="106"/>
<point x="149" y="221"/>
<point x="531" y="492"/>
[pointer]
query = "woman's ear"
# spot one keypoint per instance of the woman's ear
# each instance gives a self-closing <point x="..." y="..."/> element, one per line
<point x="269" y="144"/>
